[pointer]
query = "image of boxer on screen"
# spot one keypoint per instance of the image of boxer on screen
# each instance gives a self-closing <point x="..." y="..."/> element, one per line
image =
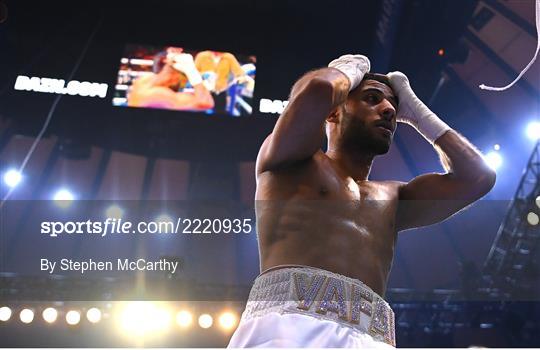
<point x="229" y="78"/>
<point x="160" y="90"/>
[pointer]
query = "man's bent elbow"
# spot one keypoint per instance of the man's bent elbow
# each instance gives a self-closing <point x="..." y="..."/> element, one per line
<point x="319" y="85"/>
<point x="206" y="105"/>
<point x="322" y="91"/>
<point x="325" y="81"/>
<point x="486" y="181"/>
<point x="205" y="102"/>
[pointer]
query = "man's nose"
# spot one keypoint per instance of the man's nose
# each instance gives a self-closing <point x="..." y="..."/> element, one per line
<point x="388" y="112"/>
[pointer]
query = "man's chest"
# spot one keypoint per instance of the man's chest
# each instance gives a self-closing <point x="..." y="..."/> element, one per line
<point x="330" y="192"/>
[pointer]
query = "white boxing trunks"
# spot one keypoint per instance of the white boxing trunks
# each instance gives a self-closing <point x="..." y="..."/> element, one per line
<point x="303" y="306"/>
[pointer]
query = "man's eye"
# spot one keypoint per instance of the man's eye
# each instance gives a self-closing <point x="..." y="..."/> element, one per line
<point x="372" y="98"/>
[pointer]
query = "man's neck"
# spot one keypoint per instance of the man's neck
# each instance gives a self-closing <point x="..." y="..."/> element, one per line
<point x="356" y="165"/>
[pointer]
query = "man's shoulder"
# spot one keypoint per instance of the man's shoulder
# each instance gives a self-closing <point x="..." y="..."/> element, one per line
<point x="391" y="183"/>
<point x="318" y="157"/>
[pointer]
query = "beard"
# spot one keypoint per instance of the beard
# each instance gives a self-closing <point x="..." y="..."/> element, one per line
<point x="359" y="137"/>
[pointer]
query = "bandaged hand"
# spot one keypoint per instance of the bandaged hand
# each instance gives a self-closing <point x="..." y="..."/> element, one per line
<point x="184" y="63"/>
<point x="353" y="66"/>
<point x="413" y="111"/>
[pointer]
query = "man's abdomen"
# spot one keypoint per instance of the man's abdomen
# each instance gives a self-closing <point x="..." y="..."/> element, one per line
<point x="327" y="235"/>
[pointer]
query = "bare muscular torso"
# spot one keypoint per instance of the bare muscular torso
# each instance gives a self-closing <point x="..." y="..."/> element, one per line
<point x="313" y="214"/>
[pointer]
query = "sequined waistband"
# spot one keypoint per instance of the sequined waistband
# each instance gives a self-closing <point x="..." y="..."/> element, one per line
<point x="324" y="295"/>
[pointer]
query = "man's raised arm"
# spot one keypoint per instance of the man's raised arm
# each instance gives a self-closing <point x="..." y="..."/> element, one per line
<point x="431" y="198"/>
<point x="201" y="98"/>
<point x="299" y="131"/>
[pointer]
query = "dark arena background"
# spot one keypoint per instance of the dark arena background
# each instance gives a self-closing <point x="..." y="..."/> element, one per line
<point x="66" y="69"/>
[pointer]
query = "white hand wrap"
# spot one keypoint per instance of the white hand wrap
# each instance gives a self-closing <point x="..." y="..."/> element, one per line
<point x="413" y="111"/>
<point x="353" y="66"/>
<point x="184" y="63"/>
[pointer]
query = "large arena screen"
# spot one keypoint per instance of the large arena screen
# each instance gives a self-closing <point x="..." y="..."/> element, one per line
<point x="175" y="78"/>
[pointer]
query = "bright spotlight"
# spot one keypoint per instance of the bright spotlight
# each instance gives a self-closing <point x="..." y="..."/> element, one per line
<point x="144" y="318"/>
<point x="184" y="319"/>
<point x="134" y="317"/>
<point x="63" y="195"/>
<point x="227" y="320"/>
<point x="163" y="218"/>
<point x="533" y="219"/>
<point x="205" y="321"/>
<point x="73" y="317"/>
<point x="114" y="212"/>
<point x="50" y="314"/>
<point x="5" y="313"/>
<point x="93" y="315"/>
<point x="163" y="319"/>
<point x="63" y="198"/>
<point x="494" y="160"/>
<point x="12" y="178"/>
<point x="533" y="131"/>
<point x="538" y="201"/>
<point x="496" y="147"/>
<point x="165" y="223"/>
<point x="26" y="315"/>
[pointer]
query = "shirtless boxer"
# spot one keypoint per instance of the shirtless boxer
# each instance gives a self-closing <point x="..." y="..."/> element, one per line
<point x="326" y="232"/>
<point x="159" y="90"/>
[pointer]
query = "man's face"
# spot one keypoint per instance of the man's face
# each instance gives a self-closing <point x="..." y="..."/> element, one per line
<point x="175" y="79"/>
<point x="368" y="118"/>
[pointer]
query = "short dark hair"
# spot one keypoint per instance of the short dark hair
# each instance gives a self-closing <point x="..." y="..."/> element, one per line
<point x="368" y="76"/>
<point x="159" y="61"/>
<point x="381" y="78"/>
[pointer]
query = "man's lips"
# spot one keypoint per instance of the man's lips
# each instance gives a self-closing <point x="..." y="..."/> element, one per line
<point x="385" y="125"/>
<point x="386" y="132"/>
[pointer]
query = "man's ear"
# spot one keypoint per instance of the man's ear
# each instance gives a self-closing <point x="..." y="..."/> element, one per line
<point x="333" y="117"/>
